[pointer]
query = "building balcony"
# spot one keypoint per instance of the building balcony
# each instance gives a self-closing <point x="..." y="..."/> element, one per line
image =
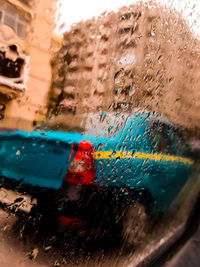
<point x="14" y="68"/>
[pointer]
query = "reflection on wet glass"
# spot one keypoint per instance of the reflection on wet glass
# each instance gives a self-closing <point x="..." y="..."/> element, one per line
<point x="99" y="132"/>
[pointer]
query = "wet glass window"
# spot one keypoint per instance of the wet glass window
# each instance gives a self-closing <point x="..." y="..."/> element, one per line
<point x="106" y="124"/>
<point x="98" y="124"/>
<point x="99" y="131"/>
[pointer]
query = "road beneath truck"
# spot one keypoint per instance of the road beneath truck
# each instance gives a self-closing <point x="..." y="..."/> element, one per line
<point x="36" y="249"/>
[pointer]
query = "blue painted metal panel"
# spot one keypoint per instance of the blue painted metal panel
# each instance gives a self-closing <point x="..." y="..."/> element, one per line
<point x="36" y="158"/>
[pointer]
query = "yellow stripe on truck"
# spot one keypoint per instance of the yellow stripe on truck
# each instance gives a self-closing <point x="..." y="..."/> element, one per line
<point x="140" y="155"/>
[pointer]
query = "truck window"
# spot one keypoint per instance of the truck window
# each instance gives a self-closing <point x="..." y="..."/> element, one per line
<point x="159" y="137"/>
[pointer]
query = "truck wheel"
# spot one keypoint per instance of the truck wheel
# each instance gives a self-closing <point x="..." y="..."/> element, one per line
<point x="136" y="225"/>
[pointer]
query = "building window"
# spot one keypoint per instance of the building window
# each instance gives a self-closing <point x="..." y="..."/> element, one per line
<point x="13" y="68"/>
<point x="14" y="21"/>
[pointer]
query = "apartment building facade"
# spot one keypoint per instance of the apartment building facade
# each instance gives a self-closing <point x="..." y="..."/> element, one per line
<point x="137" y="57"/>
<point x="26" y="28"/>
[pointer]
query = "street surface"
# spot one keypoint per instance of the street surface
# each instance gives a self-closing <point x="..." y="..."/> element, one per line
<point x="32" y="251"/>
<point x="36" y="249"/>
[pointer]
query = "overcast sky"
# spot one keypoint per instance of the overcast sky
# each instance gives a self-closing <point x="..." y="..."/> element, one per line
<point x="72" y="11"/>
